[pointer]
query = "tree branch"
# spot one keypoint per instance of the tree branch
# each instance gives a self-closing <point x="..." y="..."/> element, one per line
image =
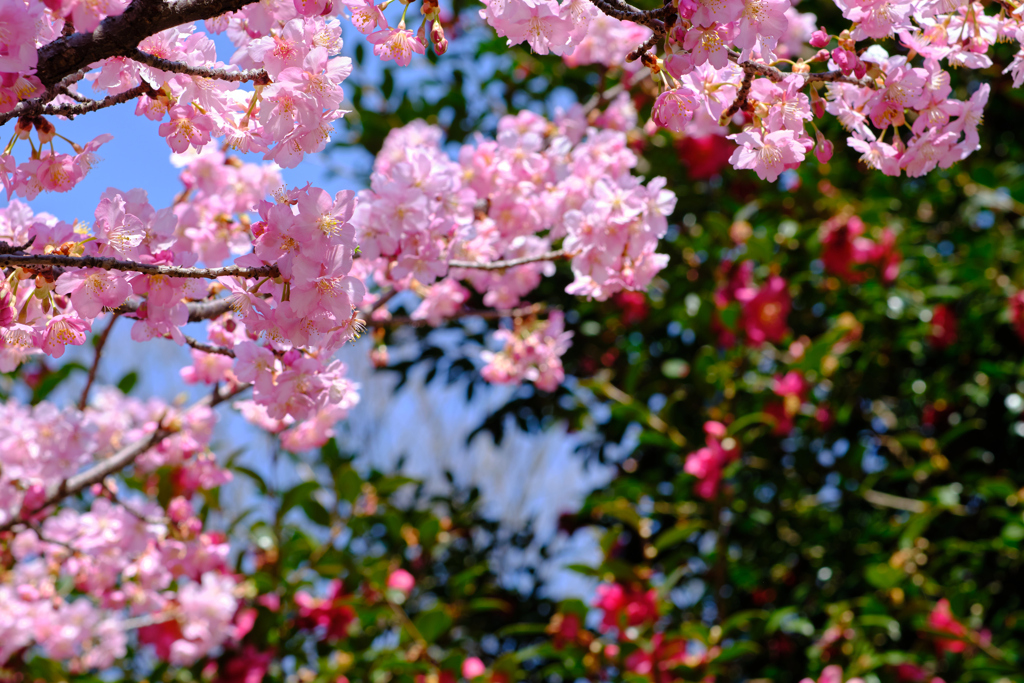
<point x="209" y="348"/>
<point x="119" y="36"/>
<point x="108" y="263"/>
<point x="259" y="76"/>
<point x="776" y="75"/>
<point x="197" y="310"/>
<point x="510" y="263"/>
<point x="489" y="314"/>
<point x="58" y="491"/>
<point x="100" y="343"/>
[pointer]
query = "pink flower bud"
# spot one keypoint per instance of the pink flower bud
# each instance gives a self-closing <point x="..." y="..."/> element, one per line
<point x="402" y="581"/>
<point x="860" y="69"/>
<point x="179" y="509"/>
<point x="473" y="668"/>
<point x="437" y="38"/>
<point x="818" y="106"/>
<point x="8" y="314"/>
<point x="824" y="148"/>
<point x="843" y="59"/>
<point x="820" y="38"/>
<point x="679" y="64"/>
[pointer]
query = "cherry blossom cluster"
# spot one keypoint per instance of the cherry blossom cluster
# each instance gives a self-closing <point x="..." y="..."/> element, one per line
<point x="532" y="351"/>
<point x="720" y="67"/>
<point x="83" y="578"/>
<point x="300" y="300"/>
<point x="426" y="217"/>
<point x="286" y="49"/>
<point x="493" y="218"/>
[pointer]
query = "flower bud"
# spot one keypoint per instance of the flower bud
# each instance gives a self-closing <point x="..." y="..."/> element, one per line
<point x="23" y="127"/>
<point x="8" y="313"/>
<point x="824" y="148"/>
<point x="380" y="357"/>
<point x="44" y="128"/>
<point x="401" y="581"/>
<point x="437" y="38"/>
<point x="679" y="64"/>
<point x="820" y="38"/>
<point x="472" y="668"/>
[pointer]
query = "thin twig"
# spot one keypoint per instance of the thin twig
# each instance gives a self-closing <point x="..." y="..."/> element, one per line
<point x="741" y="99"/>
<point x="72" y="110"/>
<point x="209" y="348"/>
<point x="258" y="76"/>
<point x="510" y="263"/>
<point x="777" y="75"/>
<point x="146" y="620"/>
<point x="100" y="343"/>
<point x="406" y="321"/>
<point x="108" y="263"/>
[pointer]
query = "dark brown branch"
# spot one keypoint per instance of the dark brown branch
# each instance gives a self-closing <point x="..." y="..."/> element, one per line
<point x="777" y="75"/>
<point x="209" y="348"/>
<point x="510" y="263"/>
<point x="58" y="491"/>
<point x="642" y="50"/>
<point x="100" y="343"/>
<point x="259" y="76"/>
<point x="197" y="310"/>
<point x="741" y="99"/>
<point x="34" y="107"/>
<point x="107" y="263"/>
<point x="6" y="248"/>
<point x="486" y="314"/>
<point x="119" y="36"/>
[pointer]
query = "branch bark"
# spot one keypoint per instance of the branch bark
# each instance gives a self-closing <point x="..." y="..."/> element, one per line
<point x="107" y="263"/>
<point x="119" y="36"/>
<point x="510" y="263"/>
<point x="259" y="76"/>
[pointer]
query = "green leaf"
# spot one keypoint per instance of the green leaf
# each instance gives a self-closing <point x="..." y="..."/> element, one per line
<point x="347" y="484"/>
<point x="677" y="534"/>
<point x="433" y="624"/>
<point x="256" y="478"/>
<point x="884" y="576"/>
<point x="316" y="512"/>
<point x="128" y="382"/>
<point x="296" y="496"/>
<point x="489" y="605"/>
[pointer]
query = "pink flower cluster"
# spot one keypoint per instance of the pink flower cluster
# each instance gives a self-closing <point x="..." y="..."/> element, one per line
<point x="625" y="606"/>
<point x="533" y="351"/>
<point x="763" y="310"/>
<point x="707" y="463"/>
<point x="304" y="315"/>
<point x="125" y="556"/>
<point x="562" y="180"/>
<point x="845" y="249"/>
